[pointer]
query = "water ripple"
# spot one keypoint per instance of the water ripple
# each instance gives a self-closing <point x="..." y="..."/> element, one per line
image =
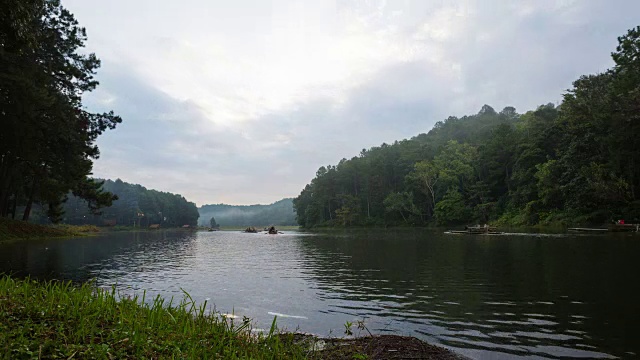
<point x="498" y="298"/>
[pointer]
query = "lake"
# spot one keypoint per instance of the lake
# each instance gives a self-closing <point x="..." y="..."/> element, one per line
<point x="533" y="296"/>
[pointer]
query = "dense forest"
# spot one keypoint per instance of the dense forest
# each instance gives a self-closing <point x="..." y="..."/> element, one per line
<point x="279" y="213"/>
<point x="577" y="162"/>
<point x="47" y="142"/>
<point x="135" y="206"/>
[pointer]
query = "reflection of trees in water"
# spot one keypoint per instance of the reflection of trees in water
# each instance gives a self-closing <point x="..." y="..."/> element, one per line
<point x="477" y="292"/>
<point x="80" y="259"/>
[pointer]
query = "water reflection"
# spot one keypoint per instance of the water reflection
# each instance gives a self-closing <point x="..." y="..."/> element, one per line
<point x="488" y="297"/>
<point x="526" y="296"/>
<point x="81" y="259"/>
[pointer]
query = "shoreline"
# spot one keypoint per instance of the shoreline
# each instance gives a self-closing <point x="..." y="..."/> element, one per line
<point x="11" y="229"/>
<point x="51" y="319"/>
<point x="20" y="230"/>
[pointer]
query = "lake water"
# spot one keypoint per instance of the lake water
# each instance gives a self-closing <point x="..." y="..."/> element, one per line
<point x="487" y="297"/>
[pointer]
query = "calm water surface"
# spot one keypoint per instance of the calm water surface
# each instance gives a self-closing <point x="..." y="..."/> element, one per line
<point x="487" y="297"/>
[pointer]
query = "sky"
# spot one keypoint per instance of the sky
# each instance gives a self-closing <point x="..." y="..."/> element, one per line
<point x="240" y="102"/>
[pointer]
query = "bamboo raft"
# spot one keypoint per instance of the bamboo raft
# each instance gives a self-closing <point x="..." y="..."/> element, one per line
<point x="610" y="228"/>
<point x="588" y="229"/>
<point x="476" y="230"/>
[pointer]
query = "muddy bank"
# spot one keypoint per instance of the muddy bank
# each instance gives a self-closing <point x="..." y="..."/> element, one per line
<point x="372" y="347"/>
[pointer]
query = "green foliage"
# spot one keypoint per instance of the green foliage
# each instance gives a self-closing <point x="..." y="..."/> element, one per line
<point x="425" y="176"/>
<point x="132" y="205"/>
<point x="401" y="203"/>
<point x="213" y="223"/>
<point x="574" y="163"/>
<point x="47" y="142"/>
<point x="349" y="209"/>
<point x="452" y="209"/>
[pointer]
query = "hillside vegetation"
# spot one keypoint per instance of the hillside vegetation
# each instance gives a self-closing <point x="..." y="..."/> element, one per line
<point x="573" y="163"/>
<point x="279" y="213"/>
<point x="135" y="206"/>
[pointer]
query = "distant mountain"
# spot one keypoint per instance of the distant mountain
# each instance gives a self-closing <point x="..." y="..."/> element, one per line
<point x="279" y="213"/>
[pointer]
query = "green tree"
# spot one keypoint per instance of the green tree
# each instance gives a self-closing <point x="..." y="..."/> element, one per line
<point x="48" y="139"/>
<point x="426" y="174"/>
<point x="452" y="209"/>
<point x="349" y="209"/>
<point x="401" y="202"/>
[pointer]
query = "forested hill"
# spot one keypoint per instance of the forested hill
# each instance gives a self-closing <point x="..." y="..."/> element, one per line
<point x="279" y="213"/>
<point x="578" y="162"/>
<point x="136" y="205"/>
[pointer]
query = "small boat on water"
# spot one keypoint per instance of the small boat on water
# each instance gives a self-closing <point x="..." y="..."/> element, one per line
<point x="273" y="231"/>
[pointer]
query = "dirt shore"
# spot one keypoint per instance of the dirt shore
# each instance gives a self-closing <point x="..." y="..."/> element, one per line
<point x="374" y="347"/>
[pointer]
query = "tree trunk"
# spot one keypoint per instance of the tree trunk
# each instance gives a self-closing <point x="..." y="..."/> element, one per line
<point x="506" y="177"/>
<point x="27" y="210"/>
<point x="5" y="186"/>
<point x="4" y="206"/>
<point x="403" y="218"/>
<point x="4" y="197"/>
<point x="14" y="206"/>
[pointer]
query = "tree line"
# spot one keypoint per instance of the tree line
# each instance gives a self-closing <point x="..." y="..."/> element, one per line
<point x="47" y="139"/>
<point x="577" y="162"/>
<point x="135" y="206"/>
<point x="279" y="213"/>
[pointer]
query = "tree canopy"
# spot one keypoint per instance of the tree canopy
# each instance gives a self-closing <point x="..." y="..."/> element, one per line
<point x="135" y="206"/>
<point x="47" y="142"/>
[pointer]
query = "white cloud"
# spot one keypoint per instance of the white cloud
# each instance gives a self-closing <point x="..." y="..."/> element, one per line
<point x="242" y="101"/>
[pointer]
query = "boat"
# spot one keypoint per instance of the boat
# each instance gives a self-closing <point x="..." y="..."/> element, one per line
<point x="251" y="229"/>
<point x="272" y="230"/>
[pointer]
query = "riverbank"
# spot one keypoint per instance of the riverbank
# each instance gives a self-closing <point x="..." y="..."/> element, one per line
<point x="15" y="229"/>
<point x="59" y="320"/>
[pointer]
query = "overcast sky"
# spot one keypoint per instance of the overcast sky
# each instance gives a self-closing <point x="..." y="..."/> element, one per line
<point x="242" y="101"/>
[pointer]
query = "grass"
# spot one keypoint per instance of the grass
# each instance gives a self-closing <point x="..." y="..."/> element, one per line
<point x="60" y="320"/>
<point x="15" y="229"/>
<point x="83" y="229"/>
<point x="53" y="320"/>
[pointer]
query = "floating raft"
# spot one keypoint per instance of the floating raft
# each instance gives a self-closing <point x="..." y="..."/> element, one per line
<point x="624" y="227"/>
<point x="612" y="228"/>
<point x="588" y="229"/>
<point x="474" y="232"/>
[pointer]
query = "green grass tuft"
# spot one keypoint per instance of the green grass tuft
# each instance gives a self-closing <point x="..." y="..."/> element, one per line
<point x="59" y="320"/>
